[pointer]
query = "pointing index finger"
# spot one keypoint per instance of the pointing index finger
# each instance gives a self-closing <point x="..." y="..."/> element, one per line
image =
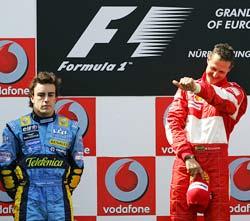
<point x="176" y="83"/>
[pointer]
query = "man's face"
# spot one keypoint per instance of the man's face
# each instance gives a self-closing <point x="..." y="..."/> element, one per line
<point x="217" y="69"/>
<point x="44" y="99"/>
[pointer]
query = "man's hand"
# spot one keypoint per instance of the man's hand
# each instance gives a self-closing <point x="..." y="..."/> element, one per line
<point x="193" y="168"/>
<point x="186" y="83"/>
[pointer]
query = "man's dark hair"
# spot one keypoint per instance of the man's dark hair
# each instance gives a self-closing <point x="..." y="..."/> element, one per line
<point x="44" y="77"/>
<point x="225" y="51"/>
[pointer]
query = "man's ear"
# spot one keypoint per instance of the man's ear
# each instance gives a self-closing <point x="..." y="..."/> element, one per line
<point x="231" y="67"/>
<point x="32" y="99"/>
<point x="209" y="56"/>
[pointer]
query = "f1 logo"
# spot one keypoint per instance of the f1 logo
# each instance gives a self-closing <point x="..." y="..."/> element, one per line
<point x="96" y="32"/>
<point x="153" y="34"/>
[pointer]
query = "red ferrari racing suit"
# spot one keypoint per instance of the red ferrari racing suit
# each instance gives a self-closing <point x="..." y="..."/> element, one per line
<point x="200" y="124"/>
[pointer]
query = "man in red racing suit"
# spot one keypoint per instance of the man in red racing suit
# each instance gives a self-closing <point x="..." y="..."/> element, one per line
<point x="198" y="126"/>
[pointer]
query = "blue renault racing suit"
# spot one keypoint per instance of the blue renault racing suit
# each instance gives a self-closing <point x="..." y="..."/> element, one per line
<point x="41" y="162"/>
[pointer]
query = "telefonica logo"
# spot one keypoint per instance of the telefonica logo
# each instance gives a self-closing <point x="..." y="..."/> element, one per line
<point x="153" y="34"/>
<point x="119" y="190"/>
<point x="13" y="61"/>
<point x="43" y="162"/>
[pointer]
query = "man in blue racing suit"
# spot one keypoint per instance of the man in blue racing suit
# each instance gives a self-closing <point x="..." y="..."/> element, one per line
<point x="41" y="157"/>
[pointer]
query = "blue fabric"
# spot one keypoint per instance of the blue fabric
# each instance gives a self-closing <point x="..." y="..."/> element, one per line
<point x="45" y="150"/>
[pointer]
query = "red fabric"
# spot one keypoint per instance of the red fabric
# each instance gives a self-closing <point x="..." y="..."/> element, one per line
<point x="215" y="105"/>
<point x="206" y="117"/>
<point x="198" y="195"/>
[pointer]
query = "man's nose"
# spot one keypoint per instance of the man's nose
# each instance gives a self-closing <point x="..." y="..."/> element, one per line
<point x="215" y="74"/>
<point x="46" y="98"/>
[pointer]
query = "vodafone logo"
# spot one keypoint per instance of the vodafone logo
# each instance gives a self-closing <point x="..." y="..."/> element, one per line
<point x="74" y="111"/>
<point x="4" y="197"/>
<point x="240" y="179"/>
<point x="126" y="180"/>
<point x="126" y="186"/>
<point x="163" y="146"/>
<point x="165" y="116"/>
<point x="13" y="62"/>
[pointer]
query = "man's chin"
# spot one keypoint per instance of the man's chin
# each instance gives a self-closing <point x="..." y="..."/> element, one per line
<point x="45" y="113"/>
<point x="211" y="81"/>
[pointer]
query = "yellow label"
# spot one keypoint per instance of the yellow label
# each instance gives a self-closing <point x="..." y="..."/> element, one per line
<point x="25" y="120"/>
<point x="59" y="143"/>
<point x="199" y="148"/>
<point x="198" y="99"/>
<point x="63" y="122"/>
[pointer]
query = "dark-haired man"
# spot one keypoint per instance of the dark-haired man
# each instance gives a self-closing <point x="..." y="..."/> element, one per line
<point x="199" y="123"/>
<point x="41" y="157"/>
